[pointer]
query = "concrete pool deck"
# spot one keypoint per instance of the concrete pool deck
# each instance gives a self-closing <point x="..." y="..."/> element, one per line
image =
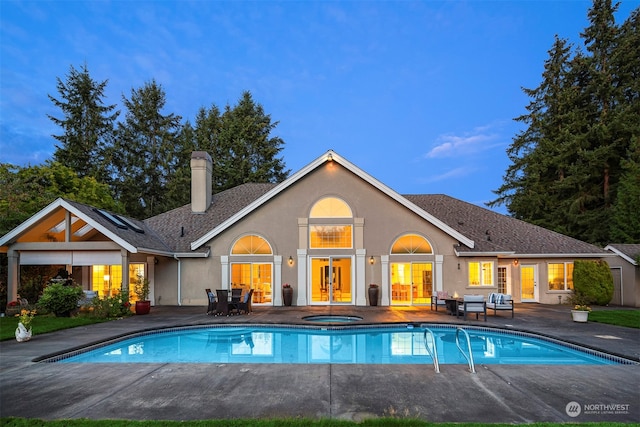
<point x="496" y="393"/>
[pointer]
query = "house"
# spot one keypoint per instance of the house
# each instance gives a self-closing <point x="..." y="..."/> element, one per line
<point x="626" y="274"/>
<point x="329" y="231"/>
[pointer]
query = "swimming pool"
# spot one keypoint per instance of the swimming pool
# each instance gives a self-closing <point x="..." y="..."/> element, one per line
<point x="393" y="344"/>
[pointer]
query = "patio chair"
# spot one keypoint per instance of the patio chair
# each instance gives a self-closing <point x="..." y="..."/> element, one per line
<point x="437" y="299"/>
<point x="498" y="301"/>
<point x="222" y="306"/>
<point x="211" y="297"/>
<point x="236" y="295"/>
<point x="472" y="304"/>
<point x="245" y="304"/>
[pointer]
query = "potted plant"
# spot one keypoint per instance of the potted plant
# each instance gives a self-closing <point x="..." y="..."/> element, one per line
<point x="287" y="294"/>
<point x="373" y="294"/>
<point x="581" y="309"/>
<point x="580" y="313"/>
<point x="141" y="289"/>
<point x="23" y="331"/>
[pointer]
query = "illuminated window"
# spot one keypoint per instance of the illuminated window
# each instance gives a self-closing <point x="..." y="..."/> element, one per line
<point x="481" y="273"/>
<point x="330" y="236"/>
<point x="411" y="244"/>
<point x="107" y="279"/>
<point x="251" y="245"/>
<point x="560" y="276"/>
<point x="330" y="207"/>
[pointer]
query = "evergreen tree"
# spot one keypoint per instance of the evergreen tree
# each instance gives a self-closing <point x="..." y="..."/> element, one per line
<point x="625" y="223"/>
<point x="146" y="152"/>
<point x="245" y="151"/>
<point x="566" y="166"/>
<point x="87" y="124"/>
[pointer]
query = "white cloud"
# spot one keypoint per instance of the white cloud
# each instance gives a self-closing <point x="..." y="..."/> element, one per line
<point x="450" y="145"/>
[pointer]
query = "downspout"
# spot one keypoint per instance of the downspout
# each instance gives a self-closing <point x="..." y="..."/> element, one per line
<point x="179" y="279"/>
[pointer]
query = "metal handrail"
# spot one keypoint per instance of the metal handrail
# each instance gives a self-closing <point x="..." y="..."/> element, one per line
<point x="434" y="354"/>
<point x="470" y="358"/>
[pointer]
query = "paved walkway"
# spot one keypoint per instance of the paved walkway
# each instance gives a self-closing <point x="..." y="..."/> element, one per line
<point x="496" y="393"/>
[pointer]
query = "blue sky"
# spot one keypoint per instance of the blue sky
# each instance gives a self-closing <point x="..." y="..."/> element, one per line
<point x="421" y="95"/>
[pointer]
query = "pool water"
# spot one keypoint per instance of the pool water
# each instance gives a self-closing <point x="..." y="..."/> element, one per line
<point x="379" y="345"/>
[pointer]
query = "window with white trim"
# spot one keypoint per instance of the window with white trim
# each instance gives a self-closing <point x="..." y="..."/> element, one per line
<point x="481" y="273"/>
<point x="560" y="276"/>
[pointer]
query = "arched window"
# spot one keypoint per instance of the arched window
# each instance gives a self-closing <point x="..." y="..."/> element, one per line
<point x="251" y="245"/>
<point x="330" y="207"/>
<point x="331" y="224"/>
<point x="411" y="244"/>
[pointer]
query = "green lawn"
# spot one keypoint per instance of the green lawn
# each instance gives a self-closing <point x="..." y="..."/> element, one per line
<point x="44" y="324"/>
<point x="628" y="318"/>
<point x="377" y="422"/>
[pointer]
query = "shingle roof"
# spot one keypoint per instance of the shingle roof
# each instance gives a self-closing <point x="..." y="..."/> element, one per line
<point x="494" y="232"/>
<point x="629" y="250"/>
<point x="179" y="227"/>
<point x="148" y="240"/>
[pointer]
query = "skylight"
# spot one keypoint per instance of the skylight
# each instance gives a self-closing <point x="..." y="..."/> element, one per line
<point x="61" y="226"/>
<point x="111" y="218"/>
<point x="130" y="224"/>
<point x="83" y="230"/>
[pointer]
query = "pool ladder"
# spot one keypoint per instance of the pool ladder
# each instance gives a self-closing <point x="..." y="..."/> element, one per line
<point x="434" y="354"/>
<point x="470" y="356"/>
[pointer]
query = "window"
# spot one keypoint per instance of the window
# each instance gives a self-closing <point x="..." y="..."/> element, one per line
<point x="411" y="244"/>
<point x="560" y="276"/>
<point x="107" y="279"/>
<point x="251" y="245"/>
<point x="330" y="236"/>
<point x="330" y="207"/>
<point x="481" y="273"/>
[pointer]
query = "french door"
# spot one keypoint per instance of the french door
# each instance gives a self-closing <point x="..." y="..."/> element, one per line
<point x="529" y="283"/>
<point x="331" y="280"/>
<point x="411" y="283"/>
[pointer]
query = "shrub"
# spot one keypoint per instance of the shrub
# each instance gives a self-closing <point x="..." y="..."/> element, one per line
<point x="110" y="307"/>
<point x="592" y="282"/>
<point x="60" y="299"/>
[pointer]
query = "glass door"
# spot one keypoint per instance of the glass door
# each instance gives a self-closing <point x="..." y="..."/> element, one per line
<point x="411" y="283"/>
<point x="529" y="283"/>
<point x="331" y="280"/>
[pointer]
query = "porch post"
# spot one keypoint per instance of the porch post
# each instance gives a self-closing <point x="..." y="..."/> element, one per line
<point x="13" y="267"/>
<point x="125" y="272"/>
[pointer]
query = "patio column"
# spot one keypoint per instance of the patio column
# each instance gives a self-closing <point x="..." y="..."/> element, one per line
<point x="13" y="272"/>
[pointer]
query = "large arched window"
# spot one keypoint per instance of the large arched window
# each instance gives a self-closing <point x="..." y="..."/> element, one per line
<point x="330" y="207"/>
<point x="331" y="224"/>
<point x="251" y="245"/>
<point x="411" y="244"/>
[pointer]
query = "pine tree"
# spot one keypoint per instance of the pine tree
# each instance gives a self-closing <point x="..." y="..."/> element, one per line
<point x="566" y="166"/>
<point x="87" y="124"/>
<point x="146" y="152"/>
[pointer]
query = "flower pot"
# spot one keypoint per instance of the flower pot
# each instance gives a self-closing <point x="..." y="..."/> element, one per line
<point x="579" y="315"/>
<point x="374" y="291"/>
<point x="22" y="334"/>
<point x="287" y="296"/>
<point x="143" y="307"/>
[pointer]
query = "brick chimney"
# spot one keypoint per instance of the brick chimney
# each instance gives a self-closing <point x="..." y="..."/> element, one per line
<point x="201" y="171"/>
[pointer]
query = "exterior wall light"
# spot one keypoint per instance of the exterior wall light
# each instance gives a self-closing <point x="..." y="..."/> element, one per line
<point x="290" y="260"/>
<point x="372" y="260"/>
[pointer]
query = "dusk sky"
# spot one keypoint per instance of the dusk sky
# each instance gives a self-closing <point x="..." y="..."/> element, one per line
<point x="421" y="95"/>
